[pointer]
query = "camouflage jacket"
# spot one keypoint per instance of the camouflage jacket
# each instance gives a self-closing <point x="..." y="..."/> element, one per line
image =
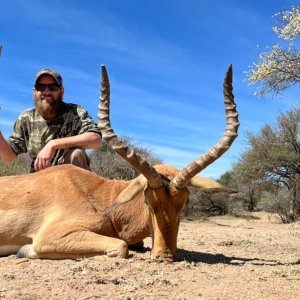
<point x="32" y="132"/>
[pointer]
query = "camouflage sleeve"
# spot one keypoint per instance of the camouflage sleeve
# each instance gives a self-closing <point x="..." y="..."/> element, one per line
<point x="17" y="139"/>
<point x="87" y="123"/>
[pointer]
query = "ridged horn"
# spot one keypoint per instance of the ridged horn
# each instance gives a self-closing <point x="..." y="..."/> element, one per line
<point x="136" y="161"/>
<point x="232" y="124"/>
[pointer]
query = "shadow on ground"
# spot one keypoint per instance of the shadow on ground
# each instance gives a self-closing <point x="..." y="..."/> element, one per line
<point x="207" y="258"/>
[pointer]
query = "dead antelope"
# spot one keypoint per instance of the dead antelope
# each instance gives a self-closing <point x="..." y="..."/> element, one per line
<point x="67" y="212"/>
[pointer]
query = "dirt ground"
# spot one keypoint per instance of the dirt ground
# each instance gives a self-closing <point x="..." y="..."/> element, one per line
<point x="220" y="258"/>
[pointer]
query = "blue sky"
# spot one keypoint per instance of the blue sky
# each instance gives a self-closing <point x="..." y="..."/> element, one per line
<point x="166" y="61"/>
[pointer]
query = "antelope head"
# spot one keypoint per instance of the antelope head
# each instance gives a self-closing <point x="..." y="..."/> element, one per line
<point x="164" y="187"/>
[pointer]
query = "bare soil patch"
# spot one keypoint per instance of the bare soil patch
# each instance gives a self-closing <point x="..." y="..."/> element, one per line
<point x="221" y="258"/>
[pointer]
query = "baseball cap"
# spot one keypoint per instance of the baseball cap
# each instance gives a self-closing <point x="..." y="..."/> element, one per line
<point x="48" y="71"/>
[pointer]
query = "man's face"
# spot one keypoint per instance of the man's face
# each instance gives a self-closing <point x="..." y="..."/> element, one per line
<point x="47" y="97"/>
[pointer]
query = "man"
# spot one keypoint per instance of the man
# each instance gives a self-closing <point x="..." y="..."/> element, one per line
<point x="54" y="132"/>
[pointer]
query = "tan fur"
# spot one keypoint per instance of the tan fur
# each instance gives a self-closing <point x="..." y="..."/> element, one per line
<point x="68" y="212"/>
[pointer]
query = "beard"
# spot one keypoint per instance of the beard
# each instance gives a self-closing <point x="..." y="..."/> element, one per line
<point x="48" y="111"/>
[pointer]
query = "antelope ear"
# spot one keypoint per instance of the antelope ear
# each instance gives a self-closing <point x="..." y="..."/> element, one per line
<point x="136" y="186"/>
<point x="208" y="186"/>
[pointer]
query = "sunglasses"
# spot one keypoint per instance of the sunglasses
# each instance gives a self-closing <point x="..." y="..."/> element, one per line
<point x="40" y="87"/>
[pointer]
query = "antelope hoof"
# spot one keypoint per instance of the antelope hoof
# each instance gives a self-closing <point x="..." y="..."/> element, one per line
<point x="26" y="251"/>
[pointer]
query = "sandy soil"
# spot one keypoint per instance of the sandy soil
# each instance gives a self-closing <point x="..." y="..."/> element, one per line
<point x="221" y="258"/>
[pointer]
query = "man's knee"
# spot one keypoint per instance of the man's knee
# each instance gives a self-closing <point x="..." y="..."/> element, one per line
<point x="77" y="154"/>
<point x="77" y="157"/>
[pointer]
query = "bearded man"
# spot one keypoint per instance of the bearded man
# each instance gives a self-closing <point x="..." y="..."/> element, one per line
<point x="54" y="132"/>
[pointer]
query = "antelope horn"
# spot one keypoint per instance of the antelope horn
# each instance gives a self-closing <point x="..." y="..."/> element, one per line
<point x="232" y="124"/>
<point x="136" y="161"/>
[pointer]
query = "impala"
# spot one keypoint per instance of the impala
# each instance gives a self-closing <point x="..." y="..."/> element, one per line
<point x="68" y="212"/>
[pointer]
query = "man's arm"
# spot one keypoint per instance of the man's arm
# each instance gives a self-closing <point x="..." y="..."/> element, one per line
<point x="6" y="151"/>
<point x="87" y="140"/>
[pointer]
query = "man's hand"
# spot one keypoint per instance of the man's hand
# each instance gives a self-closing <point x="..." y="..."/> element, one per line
<point x="44" y="158"/>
